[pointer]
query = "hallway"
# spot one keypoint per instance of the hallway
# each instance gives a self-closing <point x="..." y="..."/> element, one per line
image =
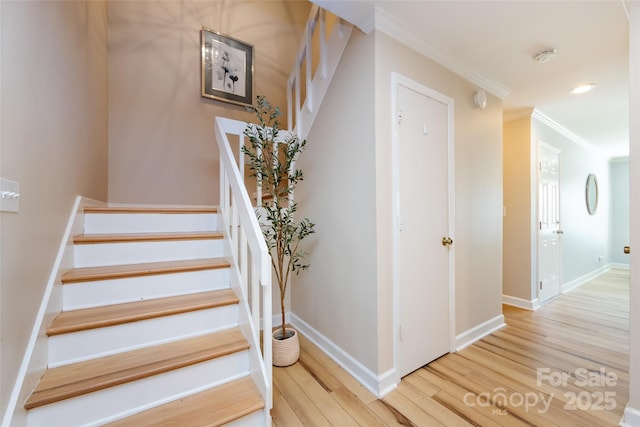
<point x="565" y="364"/>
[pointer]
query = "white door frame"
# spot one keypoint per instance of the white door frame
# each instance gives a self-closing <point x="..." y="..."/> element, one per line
<point x="632" y="411"/>
<point x="557" y="151"/>
<point x="398" y="80"/>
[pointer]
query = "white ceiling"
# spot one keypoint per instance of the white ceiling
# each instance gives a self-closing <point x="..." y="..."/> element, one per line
<point x="492" y="43"/>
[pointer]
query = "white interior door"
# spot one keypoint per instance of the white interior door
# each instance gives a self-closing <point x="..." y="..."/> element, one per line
<point x="423" y="222"/>
<point x="549" y="230"/>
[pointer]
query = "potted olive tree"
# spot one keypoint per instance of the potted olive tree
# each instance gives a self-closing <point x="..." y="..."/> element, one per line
<point x="271" y="158"/>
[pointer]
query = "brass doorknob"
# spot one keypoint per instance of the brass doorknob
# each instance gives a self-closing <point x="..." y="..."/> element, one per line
<point x="627" y="249"/>
<point x="447" y="241"/>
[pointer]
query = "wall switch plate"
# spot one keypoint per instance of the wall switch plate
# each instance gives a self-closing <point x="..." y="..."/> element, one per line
<point x="9" y="196"/>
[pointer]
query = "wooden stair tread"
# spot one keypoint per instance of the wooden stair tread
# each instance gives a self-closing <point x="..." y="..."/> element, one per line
<point x="210" y="408"/>
<point x="76" y="379"/>
<point x="151" y="209"/>
<point x="86" y="274"/>
<point x="145" y="237"/>
<point x="110" y="315"/>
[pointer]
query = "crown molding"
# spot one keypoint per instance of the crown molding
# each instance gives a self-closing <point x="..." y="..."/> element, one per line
<point x="581" y="142"/>
<point x="385" y="24"/>
<point x="517" y="114"/>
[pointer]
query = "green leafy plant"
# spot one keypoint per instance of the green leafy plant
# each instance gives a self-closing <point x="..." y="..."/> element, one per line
<point x="271" y="159"/>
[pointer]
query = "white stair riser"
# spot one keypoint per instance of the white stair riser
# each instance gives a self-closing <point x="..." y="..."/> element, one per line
<point x="126" y="399"/>
<point x="252" y="420"/>
<point x="95" y="255"/>
<point x="84" y="345"/>
<point x="114" y="291"/>
<point x="148" y="223"/>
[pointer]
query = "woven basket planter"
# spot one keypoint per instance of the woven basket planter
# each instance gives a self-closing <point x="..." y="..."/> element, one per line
<point x="285" y="351"/>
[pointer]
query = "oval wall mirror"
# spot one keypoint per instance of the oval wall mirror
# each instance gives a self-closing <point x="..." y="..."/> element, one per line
<point x="591" y="194"/>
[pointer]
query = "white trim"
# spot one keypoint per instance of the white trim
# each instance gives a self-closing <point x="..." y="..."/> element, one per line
<point x="398" y="80"/>
<point x="517" y="114"/>
<point x="619" y="265"/>
<point x="538" y="170"/>
<point x="379" y="385"/>
<point x="534" y="170"/>
<point x="480" y="331"/>
<point x="566" y="287"/>
<point x="631" y="417"/>
<point x="532" y="305"/>
<point x="36" y="351"/>
<point x="401" y="33"/>
<point x="581" y="142"/>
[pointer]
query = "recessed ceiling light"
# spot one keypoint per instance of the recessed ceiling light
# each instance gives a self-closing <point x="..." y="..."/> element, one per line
<point x="544" y="56"/>
<point x="582" y="88"/>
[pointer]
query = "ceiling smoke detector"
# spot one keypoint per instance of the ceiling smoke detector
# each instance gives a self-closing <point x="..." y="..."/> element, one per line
<point x="544" y="56"/>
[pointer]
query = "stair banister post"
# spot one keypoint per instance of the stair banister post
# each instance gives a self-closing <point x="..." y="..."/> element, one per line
<point x="244" y="262"/>
<point x="259" y="184"/>
<point x="297" y="103"/>
<point x="309" y="65"/>
<point x="234" y="226"/>
<point x="323" y="44"/>
<point x="290" y="102"/>
<point x="265" y="273"/>
<point x="235" y="202"/>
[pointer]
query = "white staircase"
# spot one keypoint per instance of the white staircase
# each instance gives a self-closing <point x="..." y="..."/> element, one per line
<point x="162" y="308"/>
<point x="150" y="331"/>
<point x="325" y="39"/>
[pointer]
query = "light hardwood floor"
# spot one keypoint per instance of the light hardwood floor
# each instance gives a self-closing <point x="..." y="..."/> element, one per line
<point x="563" y="365"/>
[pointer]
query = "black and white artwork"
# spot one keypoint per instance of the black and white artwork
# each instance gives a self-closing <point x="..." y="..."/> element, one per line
<point x="227" y="68"/>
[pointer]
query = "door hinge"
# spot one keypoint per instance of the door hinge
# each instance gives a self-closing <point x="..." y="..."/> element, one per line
<point x="399" y="118"/>
<point x="541" y="285"/>
<point x="400" y="333"/>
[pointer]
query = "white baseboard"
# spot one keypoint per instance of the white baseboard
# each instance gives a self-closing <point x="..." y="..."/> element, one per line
<point x="532" y="305"/>
<point x="631" y="417"/>
<point x="478" y="332"/>
<point x="566" y="287"/>
<point x="619" y="265"/>
<point x="379" y="385"/>
<point x="382" y="384"/>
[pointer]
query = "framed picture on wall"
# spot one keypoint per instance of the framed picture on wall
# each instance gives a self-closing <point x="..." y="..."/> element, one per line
<point x="227" y="68"/>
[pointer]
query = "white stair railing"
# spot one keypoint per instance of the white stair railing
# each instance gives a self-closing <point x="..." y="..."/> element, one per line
<point x="251" y="259"/>
<point x="325" y="39"/>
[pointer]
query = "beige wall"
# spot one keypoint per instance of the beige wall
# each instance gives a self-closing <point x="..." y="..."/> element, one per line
<point x="53" y="142"/>
<point x="478" y="191"/>
<point x="517" y="266"/>
<point x="161" y="139"/>
<point x="337" y="295"/>
<point x="347" y="293"/>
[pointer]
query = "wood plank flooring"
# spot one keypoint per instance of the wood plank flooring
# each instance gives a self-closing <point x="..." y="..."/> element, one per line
<point x="563" y="365"/>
